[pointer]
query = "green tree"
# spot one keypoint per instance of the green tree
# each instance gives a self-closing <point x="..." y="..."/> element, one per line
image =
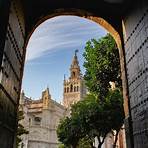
<point x="102" y="65"/>
<point x="91" y="119"/>
<point x="114" y="106"/>
<point x="102" y="110"/>
<point x="69" y="131"/>
<point x="74" y="130"/>
<point x="85" y="142"/>
<point x="20" y="129"/>
<point x="61" y="146"/>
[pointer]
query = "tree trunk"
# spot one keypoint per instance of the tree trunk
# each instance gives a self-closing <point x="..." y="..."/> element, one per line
<point x="91" y="144"/>
<point x="101" y="142"/>
<point x="74" y="146"/>
<point x="116" y="138"/>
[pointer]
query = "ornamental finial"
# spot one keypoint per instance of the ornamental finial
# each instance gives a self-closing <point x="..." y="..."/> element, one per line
<point x="76" y="51"/>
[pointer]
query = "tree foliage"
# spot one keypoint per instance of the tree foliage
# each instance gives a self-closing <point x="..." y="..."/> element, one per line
<point x="68" y="131"/>
<point x="114" y="106"/>
<point x="20" y="129"/>
<point x="101" y="111"/>
<point x="93" y="119"/>
<point x="85" y="142"/>
<point x="61" y="146"/>
<point x="102" y="65"/>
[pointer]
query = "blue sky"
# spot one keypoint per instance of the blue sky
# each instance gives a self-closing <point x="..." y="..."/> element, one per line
<point x="50" y="51"/>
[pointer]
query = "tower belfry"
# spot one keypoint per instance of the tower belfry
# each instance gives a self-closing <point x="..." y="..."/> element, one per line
<point x="74" y="88"/>
<point x="75" y="71"/>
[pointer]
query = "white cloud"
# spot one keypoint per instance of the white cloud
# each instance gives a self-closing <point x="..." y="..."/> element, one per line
<point x="42" y="48"/>
<point x="61" y="32"/>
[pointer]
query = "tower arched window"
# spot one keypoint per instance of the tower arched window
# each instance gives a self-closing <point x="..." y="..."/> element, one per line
<point x="73" y="73"/>
<point x="67" y="89"/>
<point x="71" y="88"/>
<point x="77" y="88"/>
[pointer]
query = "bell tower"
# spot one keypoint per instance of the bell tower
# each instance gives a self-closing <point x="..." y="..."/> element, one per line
<point x="75" y="72"/>
<point x="74" y="88"/>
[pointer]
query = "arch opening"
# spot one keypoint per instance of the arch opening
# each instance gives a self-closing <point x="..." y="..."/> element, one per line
<point x="99" y="21"/>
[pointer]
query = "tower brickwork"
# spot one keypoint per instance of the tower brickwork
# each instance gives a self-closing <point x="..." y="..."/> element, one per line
<point x="74" y="87"/>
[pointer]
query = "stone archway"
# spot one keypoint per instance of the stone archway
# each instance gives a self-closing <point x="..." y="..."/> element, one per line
<point x="18" y="21"/>
<point x="106" y="25"/>
<point x="100" y="21"/>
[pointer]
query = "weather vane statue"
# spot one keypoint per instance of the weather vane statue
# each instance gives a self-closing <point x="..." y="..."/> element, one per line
<point x="76" y="51"/>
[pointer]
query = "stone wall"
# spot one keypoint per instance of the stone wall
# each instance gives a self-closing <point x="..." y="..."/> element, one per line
<point x="42" y="132"/>
<point x="136" y="52"/>
<point x="11" y="74"/>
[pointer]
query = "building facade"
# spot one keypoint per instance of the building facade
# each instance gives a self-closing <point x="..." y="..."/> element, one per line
<point x="41" y="118"/>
